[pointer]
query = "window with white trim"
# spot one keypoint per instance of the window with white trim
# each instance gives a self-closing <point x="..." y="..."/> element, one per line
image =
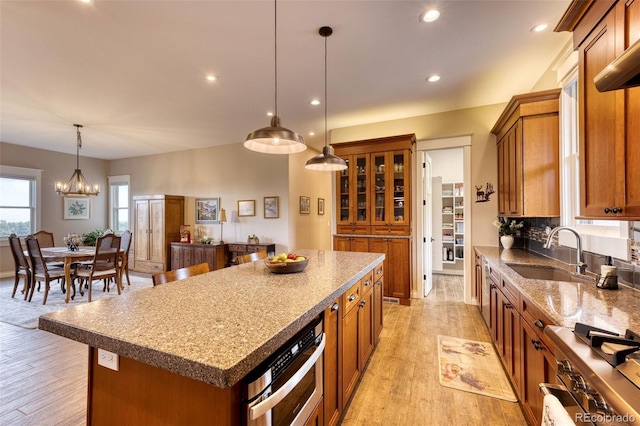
<point x="19" y="195"/>
<point x="119" y="203"/>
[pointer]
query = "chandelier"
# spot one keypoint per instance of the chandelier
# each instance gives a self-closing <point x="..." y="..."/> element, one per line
<point x="77" y="185"/>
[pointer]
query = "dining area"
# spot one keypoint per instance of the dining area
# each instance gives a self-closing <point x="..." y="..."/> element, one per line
<point x="40" y="265"/>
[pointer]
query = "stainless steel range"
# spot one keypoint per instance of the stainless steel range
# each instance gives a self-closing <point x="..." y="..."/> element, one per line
<point x="601" y="371"/>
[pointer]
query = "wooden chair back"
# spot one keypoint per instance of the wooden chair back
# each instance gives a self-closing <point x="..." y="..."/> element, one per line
<point x="40" y="269"/>
<point x="125" y="246"/>
<point x="180" y="274"/>
<point x="251" y="257"/>
<point x="45" y="238"/>
<point x="22" y="265"/>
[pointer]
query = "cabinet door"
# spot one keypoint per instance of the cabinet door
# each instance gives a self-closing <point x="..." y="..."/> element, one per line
<point x="343" y="193"/>
<point x="350" y="355"/>
<point x="187" y="256"/>
<point x="156" y="239"/>
<point x="514" y="142"/>
<point x="378" y="307"/>
<point x="360" y="244"/>
<point x="495" y="325"/>
<point x="379" y="245"/>
<point x="538" y="366"/>
<point x="353" y="189"/>
<point x="141" y="246"/>
<point x="511" y="339"/>
<point x="598" y="119"/>
<point x="380" y="215"/>
<point x="341" y="243"/>
<point x="332" y="364"/>
<point x="540" y="165"/>
<point x="399" y="267"/>
<point x="503" y="177"/>
<point x="391" y="182"/>
<point x="176" y="262"/>
<point x="366" y="336"/>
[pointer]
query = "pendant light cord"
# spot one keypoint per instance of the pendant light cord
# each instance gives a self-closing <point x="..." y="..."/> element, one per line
<point x="79" y="145"/>
<point x="275" y="49"/>
<point x="325" y="91"/>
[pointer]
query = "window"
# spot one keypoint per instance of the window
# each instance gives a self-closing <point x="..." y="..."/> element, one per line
<point x="119" y="203"/>
<point x="19" y="195"/>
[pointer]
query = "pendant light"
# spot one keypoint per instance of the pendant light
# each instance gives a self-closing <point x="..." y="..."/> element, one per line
<point x="275" y="139"/>
<point x="326" y="162"/>
<point x="77" y="185"/>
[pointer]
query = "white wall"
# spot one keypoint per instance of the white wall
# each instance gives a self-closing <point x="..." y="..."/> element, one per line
<point x="447" y="163"/>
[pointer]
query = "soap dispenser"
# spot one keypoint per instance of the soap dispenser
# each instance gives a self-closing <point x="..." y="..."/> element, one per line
<point x="608" y="278"/>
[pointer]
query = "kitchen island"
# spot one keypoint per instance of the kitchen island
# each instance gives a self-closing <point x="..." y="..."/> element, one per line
<point x="202" y="335"/>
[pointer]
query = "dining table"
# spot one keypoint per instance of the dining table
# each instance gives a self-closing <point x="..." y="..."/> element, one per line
<point x="69" y="257"/>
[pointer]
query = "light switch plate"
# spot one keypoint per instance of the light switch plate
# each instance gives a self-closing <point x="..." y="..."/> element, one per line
<point x="108" y="359"/>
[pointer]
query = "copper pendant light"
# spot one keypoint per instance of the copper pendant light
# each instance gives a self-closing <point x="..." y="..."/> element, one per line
<point x="326" y="162"/>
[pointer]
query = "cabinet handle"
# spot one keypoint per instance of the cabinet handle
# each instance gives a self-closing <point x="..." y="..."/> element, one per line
<point x="538" y="324"/>
<point x="607" y="210"/>
<point x="367" y="283"/>
<point x="335" y="307"/>
<point x="508" y="306"/>
<point x="362" y="304"/>
<point x="617" y="210"/>
<point x="537" y="345"/>
<point x="493" y="286"/>
<point x="352" y="298"/>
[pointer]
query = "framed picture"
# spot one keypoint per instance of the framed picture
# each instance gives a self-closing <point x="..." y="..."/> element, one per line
<point x="271" y="207"/>
<point x="77" y="208"/>
<point x="207" y="210"/>
<point x="305" y="205"/>
<point x="320" y="206"/>
<point x="246" y="207"/>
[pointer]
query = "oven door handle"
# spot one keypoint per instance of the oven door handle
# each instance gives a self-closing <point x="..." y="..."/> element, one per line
<point x="261" y="408"/>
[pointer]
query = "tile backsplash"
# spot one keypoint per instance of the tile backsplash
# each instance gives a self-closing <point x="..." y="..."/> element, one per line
<point x="533" y="236"/>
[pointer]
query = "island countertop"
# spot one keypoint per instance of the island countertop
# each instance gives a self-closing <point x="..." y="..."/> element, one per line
<point x="215" y="327"/>
<point x="567" y="303"/>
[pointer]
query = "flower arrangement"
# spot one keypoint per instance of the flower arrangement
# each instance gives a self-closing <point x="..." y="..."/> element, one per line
<point x="506" y="227"/>
<point x="205" y="240"/>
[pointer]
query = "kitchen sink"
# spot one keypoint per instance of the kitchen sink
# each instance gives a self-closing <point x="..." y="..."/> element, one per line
<point x="540" y="272"/>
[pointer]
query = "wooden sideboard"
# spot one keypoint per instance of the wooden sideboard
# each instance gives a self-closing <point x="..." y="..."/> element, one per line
<point x="185" y="254"/>
<point x="238" y="249"/>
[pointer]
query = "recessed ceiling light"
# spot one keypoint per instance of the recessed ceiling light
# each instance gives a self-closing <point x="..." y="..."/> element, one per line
<point x="269" y="114"/>
<point x="433" y="78"/>
<point x="86" y="1"/>
<point x="539" y="27"/>
<point x="315" y="102"/>
<point x="312" y="133"/>
<point x="429" y="15"/>
<point x="212" y="78"/>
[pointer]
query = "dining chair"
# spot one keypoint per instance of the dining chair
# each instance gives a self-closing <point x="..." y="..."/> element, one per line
<point x="22" y="265"/>
<point x="251" y="257"/>
<point x="125" y="246"/>
<point x="180" y="274"/>
<point x="104" y="265"/>
<point x="42" y="271"/>
<point x="45" y="238"/>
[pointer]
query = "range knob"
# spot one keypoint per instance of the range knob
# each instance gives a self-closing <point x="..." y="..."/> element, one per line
<point x="564" y="366"/>
<point x="577" y="383"/>
<point x="597" y="404"/>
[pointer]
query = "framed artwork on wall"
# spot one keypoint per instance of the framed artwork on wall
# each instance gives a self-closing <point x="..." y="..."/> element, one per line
<point x="77" y="208"/>
<point x="246" y="207"/>
<point x="207" y="210"/>
<point x="271" y="207"/>
<point x="305" y="205"/>
<point x="320" y="206"/>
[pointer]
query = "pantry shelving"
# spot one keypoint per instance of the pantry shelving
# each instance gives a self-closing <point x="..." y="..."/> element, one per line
<point x="452" y="222"/>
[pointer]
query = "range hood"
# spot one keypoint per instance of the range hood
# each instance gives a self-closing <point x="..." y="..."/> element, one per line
<point x="622" y="73"/>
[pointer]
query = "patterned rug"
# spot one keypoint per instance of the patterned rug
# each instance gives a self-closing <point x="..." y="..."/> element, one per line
<point x="17" y="311"/>
<point x="472" y="366"/>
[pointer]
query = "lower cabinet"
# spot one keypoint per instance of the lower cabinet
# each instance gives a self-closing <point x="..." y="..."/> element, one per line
<point x="397" y="266"/>
<point x="352" y="326"/>
<point x="316" y="418"/>
<point x="184" y="255"/>
<point x="359" y="244"/>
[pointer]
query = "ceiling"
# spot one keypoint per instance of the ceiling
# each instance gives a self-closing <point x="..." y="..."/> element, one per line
<point x="134" y="72"/>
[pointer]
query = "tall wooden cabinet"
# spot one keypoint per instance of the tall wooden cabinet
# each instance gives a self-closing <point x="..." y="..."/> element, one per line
<point x="373" y="206"/>
<point x="608" y="121"/>
<point x="528" y="135"/>
<point x="157" y="223"/>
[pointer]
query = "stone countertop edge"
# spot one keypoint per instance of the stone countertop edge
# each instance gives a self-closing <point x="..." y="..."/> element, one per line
<point x="222" y="372"/>
<point x="567" y="303"/>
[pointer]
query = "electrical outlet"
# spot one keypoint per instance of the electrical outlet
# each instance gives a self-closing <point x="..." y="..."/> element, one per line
<point x="108" y="359"/>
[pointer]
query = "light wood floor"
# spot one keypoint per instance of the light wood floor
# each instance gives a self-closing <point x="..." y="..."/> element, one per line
<point x="43" y="377"/>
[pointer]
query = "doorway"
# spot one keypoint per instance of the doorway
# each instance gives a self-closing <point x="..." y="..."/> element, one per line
<point x="443" y="243"/>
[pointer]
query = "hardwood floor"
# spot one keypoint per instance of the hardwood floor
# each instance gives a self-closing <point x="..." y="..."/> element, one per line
<point x="43" y="379"/>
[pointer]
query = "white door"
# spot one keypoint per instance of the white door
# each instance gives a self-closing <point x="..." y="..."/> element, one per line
<point x="436" y="223"/>
<point x="427" y="238"/>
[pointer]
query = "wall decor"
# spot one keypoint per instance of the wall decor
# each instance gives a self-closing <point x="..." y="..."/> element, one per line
<point x="483" y="196"/>
<point x="246" y="207"/>
<point x="320" y="206"/>
<point x="271" y="207"/>
<point x="305" y="205"/>
<point x="207" y="210"/>
<point x="76" y="207"/>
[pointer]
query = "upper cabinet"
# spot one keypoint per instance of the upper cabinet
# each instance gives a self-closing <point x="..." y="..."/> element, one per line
<point x="374" y="192"/>
<point x="528" y="156"/>
<point x="609" y="122"/>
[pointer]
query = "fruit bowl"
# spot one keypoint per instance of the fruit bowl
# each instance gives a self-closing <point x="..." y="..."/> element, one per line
<point x="286" y="267"/>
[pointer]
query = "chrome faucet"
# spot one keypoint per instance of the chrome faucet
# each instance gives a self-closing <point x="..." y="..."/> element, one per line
<point x="580" y="265"/>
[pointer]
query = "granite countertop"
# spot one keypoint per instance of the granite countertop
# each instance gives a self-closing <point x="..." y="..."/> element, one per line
<point x="215" y="327"/>
<point x="569" y="302"/>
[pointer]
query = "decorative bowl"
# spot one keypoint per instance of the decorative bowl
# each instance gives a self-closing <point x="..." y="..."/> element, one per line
<point x="286" y="267"/>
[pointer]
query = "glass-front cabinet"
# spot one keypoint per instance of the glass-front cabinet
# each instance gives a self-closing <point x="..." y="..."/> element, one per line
<point x="353" y="190"/>
<point x="391" y="188"/>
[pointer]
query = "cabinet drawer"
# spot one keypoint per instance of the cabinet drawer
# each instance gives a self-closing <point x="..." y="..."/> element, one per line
<point x="351" y="298"/>
<point x="367" y="283"/>
<point x="509" y="291"/>
<point x="237" y="247"/>
<point x="255" y="249"/>
<point x="353" y="229"/>
<point x="391" y="230"/>
<point x="378" y="272"/>
<point x="537" y="319"/>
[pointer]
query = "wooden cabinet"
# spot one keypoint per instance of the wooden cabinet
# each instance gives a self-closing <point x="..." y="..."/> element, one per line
<point x="184" y="255"/>
<point x="350" y="342"/>
<point x="316" y="418"/>
<point x="608" y="121"/>
<point x="157" y="223"/>
<point x="239" y="249"/>
<point x="391" y="182"/>
<point x="366" y="311"/>
<point x="333" y="363"/>
<point x="529" y="156"/>
<point x="478" y="278"/>
<point x="353" y="192"/>
<point x="359" y="244"/>
<point x="397" y="266"/>
<point x="378" y="294"/>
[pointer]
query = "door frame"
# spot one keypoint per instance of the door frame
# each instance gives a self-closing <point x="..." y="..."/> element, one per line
<point x="460" y="141"/>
